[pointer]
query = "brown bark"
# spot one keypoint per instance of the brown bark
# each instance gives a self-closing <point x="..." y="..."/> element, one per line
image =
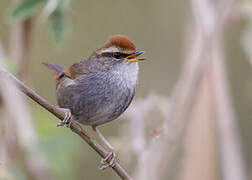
<point x="19" y="43"/>
<point x="60" y="114"/>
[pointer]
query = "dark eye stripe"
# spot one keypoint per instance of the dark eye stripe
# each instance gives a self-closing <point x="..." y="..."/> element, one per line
<point x="117" y="55"/>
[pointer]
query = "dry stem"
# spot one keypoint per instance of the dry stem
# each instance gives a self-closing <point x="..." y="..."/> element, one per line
<point x="60" y="114"/>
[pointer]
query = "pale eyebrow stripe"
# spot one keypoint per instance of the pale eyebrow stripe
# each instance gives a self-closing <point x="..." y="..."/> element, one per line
<point x="110" y="49"/>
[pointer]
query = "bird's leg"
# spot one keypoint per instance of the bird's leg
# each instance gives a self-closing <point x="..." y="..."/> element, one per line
<point x="110" y="159"/>
<point x="67" y="119"/>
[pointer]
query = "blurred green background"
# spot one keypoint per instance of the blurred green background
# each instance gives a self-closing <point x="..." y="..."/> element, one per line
<point x="157" y="27"/>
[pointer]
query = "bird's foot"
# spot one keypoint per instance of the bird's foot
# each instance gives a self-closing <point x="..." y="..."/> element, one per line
<point x="67" y="119"/>
<point x="109" y="160"/>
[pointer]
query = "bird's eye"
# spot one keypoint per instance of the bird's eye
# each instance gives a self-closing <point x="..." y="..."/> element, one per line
<point x="117" y="55"/>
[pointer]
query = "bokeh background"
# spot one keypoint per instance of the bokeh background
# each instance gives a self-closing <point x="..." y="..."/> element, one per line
<point x="165" y="30"/>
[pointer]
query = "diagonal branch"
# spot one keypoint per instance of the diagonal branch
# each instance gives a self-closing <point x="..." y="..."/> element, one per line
<point x="60" y="114"/>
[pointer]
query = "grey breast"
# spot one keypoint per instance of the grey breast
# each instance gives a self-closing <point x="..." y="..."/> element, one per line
<point x="96" y="98"/>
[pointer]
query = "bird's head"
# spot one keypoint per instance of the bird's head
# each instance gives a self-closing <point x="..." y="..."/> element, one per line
<point x="118" y="49"/>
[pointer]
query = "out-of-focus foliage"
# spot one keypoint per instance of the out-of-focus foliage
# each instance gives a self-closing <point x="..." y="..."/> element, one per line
<point x="58" y="24"/>
<point x="158" y="27"/>
<point x="26" y="9"/>
<point x="11" y="66"/>
<point x="56" y="146"/>
<point x="53" y="10"/>
<point x="246" y="10"/>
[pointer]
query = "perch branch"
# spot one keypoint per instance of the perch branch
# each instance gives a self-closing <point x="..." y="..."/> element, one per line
<point x="60" y="114"/>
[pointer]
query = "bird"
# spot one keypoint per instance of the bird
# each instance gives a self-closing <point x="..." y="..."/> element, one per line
<point x="99" y="89"/>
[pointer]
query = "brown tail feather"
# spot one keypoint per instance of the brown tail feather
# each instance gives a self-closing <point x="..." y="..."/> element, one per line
<point x="58" y="69"/>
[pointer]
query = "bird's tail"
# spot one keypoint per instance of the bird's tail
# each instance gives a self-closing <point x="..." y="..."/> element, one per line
<point x="56" y="68"/>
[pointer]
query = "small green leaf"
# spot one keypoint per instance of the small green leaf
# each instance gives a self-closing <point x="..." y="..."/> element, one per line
<point x="58" y="25"/>
<point x="27" y="8"/>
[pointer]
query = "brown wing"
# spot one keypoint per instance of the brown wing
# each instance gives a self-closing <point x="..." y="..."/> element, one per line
<point x="77" y="69"/>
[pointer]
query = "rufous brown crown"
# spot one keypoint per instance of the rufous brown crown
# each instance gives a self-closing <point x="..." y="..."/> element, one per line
<point x="121" y="41"/>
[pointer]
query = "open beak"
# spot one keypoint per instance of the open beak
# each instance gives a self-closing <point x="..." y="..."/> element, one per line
<point x="134" y="57"/>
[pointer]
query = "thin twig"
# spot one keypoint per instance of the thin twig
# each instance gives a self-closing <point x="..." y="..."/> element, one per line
<point x="60" y="114"/>
<point x="231" y="157"/>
